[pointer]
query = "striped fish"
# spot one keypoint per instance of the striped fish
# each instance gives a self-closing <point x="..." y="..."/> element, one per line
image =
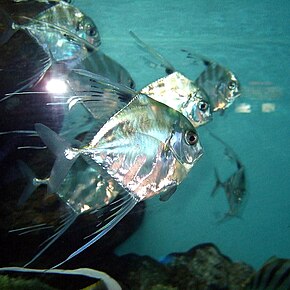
<point x="274" y="275"/>
<point x="219" y="84"/>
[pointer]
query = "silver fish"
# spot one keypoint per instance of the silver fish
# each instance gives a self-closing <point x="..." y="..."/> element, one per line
<point x="234" y="186"/>
<point x="181" y="94"/>
<point x="217" y="84"/>
<point x="144" y="155"/>
<point x="62" y="31"/>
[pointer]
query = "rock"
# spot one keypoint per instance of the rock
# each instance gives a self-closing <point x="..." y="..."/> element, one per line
<point x="202" y="267"/>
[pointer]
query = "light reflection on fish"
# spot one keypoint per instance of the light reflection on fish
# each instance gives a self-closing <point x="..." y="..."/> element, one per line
<point x="234" y="186"/>
<point x="142" y="153"/>
<point x="180" y="93"/>
<point x="218" y="85"/>
<point x="62" y="33"/>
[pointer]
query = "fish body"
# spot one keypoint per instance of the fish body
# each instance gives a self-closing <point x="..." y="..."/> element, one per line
<point x="274" y="275"/>
<point x="59" y="33"/>
<point x="235" y="185"/>
<point x="234" y="188"/>
<point x="219" y="84"/>
<point x="181" y="94"/>
<point x="64" y="30"/>
<point x="83" y="189"/>
<point x="146" y="154"/>
<point x="155" y="153"/>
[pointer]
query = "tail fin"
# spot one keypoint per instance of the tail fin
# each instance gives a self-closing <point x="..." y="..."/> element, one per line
<point x="6" y="27"/>
<point x="31" y="186"/>
<point x="65" y="156"/>
<point x="217" y="184"/>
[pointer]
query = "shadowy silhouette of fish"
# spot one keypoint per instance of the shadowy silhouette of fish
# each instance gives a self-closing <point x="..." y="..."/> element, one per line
<point x="234" y="186"/>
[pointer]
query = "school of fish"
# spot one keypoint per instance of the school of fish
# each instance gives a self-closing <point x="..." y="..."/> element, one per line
<point x="134" y="144"/>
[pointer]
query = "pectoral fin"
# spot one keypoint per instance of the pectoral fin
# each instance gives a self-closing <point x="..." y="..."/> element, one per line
<point x="164" y="196"/>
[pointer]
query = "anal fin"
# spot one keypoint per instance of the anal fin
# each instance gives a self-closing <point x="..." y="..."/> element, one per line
<point x="119" y="209"/>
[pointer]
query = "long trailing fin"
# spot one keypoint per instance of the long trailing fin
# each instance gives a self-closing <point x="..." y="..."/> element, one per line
<point x="110" y="283"/>
<point x="126" y="206"/>
<point x="169" y="68"/>
<point x="68" y="222"/>
<point x="30" y="229"/>
<point x="95" y="78"/>
<point x="28" y="132"/>
<point x="59" y="147"/>
<point x="36" y="77"/>
<point x="100" y="96"/>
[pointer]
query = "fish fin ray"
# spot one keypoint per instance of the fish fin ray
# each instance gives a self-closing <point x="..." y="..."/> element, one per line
<point x="68" y="222"/>
<point x="58" y="146"/>
<point x="169" y="68"/>
<point x="30" y="229"/>
<point x="126" y="207"/>
<point x="31" y="81"/>
<point x="198" y="58"/>
<point x="101" y="97"/>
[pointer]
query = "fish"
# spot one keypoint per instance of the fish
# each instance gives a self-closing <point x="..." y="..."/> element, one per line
<point x="180" y="93"/>
<point x="143" y="154"/>
<point x="274" y="275"/>
<point x="60" y="33"/>
<point x="218" y="85"/>
<point x="234" y="186"/>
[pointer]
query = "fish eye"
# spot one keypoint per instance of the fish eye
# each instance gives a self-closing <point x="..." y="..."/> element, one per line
<point x="191" y="137"/>
<point x="91" y="30"/>
<point x="232" y="85"/>
<point x="203" y="106"/>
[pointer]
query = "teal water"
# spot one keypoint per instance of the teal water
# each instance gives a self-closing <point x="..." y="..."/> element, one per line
<point x="252" y="39"/>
